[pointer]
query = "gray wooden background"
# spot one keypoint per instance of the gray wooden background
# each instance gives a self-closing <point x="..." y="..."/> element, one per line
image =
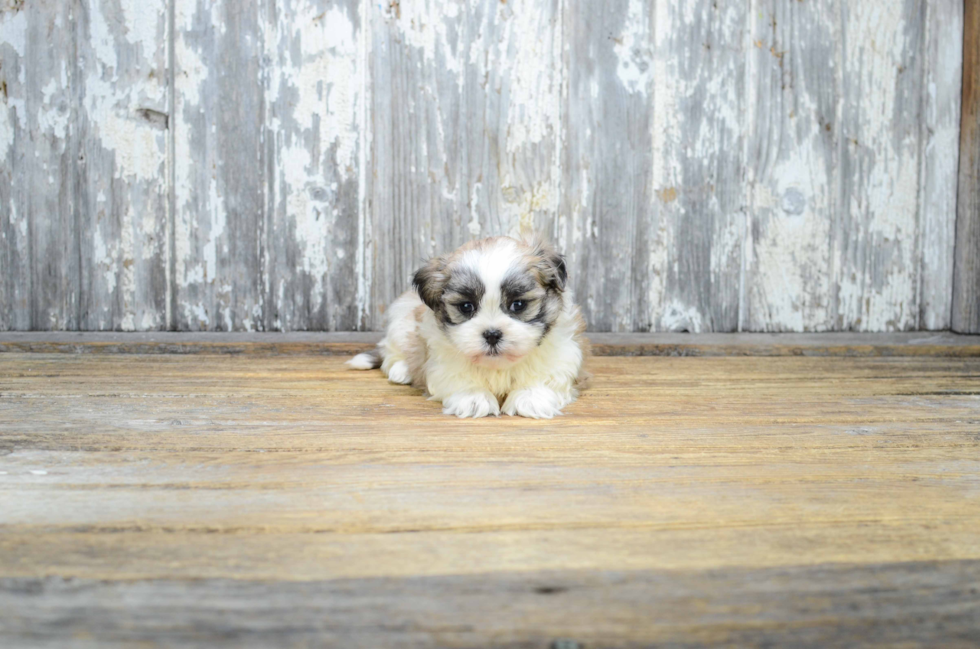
<point x="706" y="165"/>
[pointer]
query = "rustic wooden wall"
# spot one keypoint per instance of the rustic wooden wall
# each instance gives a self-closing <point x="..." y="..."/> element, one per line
<point x="771" y="165"/>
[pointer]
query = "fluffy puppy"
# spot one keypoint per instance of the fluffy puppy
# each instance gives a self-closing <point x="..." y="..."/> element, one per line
<point x="488" y="329"/>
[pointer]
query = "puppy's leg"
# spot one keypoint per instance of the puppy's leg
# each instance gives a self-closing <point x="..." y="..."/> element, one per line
<point x="475" y="403"/>
<point x="462" y="391"/>
<point x="400" y="373"/>
<point x="536" y="402"/>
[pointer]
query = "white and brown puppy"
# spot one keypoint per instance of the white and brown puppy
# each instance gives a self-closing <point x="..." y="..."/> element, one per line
<point x="488" y="329"/>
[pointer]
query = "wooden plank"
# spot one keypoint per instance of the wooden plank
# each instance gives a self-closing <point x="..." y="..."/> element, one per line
<point x="316" y="92"/>
<point x="607" y="162"/>
<point x="40" y="138"/>
<point x="737" y="501"/>
<point x="349" y="343"/>
<point x="966" y="284"/>
<point x="221" y="165"/>
<point x="15" y="248"/>
<point x="910" y="604"/>
<point x="877" y="234"/>
<point x="465" y="114"/>
<point x="121" y="190"/>
<point x="939" y="123"/>
<point x="699" y="136"/>
<point x="792" y="160"/>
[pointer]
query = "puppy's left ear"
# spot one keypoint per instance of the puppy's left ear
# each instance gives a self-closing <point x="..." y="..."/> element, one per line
<point x="429" y="281"/>
<point x="551" y="265"/>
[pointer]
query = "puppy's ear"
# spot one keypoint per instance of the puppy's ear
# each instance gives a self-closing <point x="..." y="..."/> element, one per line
<point x="430" y="280"/>
<point x="551" y="265"/>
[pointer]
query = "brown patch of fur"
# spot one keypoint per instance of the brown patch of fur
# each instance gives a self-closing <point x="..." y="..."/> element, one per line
<point x="545" y="263"/>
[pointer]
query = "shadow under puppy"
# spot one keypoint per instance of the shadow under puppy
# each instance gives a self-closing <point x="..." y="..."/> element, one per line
<point x="488" y="329"/>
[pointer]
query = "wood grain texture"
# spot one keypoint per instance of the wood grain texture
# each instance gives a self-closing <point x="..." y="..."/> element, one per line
<point x="221" y="166"/>
<point x="938" y="344"/>
<point x="699" y="108"/>
<point x="607" y="210"/>
<point x="685" y="501"/>
<point x="923" y="604"/>
<point x="966" y="287"/>
<point x="791" y="166"/>
<point x="121" y="191"/>
<point x="315" y="108"/>
<point x="855" y="120"/>
<point x="15" y="240"/>
<point x="39" y="136"/>
<point x="706" y="166"/>
<point x="939" y="122"/>
<point x="876" y="226"/>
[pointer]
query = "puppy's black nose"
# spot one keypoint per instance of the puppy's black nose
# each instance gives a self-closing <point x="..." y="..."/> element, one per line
<point x="492" y="336"/>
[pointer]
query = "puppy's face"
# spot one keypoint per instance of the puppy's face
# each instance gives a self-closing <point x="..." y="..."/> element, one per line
<point x="495" y="299"/>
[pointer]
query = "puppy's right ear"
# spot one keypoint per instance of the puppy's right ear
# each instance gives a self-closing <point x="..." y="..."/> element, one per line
<point x="430" y="280"/>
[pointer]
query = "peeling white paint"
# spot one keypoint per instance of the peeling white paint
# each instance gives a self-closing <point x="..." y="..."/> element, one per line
<point x="55" y="115"/>
<point x="681" y="317"/>
<point x="112" y="103"/>
<point x="13" y="45"/>
<point x="13" y="31"/>
<point x="503" y="63"/>
<point x="880" y="295"/>
<point x="635" y="68"/>
<point x="423" y="25"/>
<point x="143" y="24"/>
<point x="533" y="110"/>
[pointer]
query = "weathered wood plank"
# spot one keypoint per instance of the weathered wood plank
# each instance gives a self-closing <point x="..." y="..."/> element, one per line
<point x="40" y="103"/>
<point x="877" y="230"/>
<point x="465" y="114"/>
<point x="791" y="164"/>
<point x="15" y="246"/>
<point x="731" y="500"/>
<point x="799" y="607"/>
<point x="121" y="191"/>
<point x="966" y="284"/>
<point x="678" y="152"/>
<point x="908" y="604"/>
<point x="221" y="164"/>
<point x="940" y="125"/>
<point x="942" y="344"/>
<point x="699" y="136"/>
<point x="607" y="215"/>
<point x="316" y="95"/>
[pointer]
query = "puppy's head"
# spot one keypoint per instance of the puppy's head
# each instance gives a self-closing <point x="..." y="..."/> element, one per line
<point x="496" y="298"/>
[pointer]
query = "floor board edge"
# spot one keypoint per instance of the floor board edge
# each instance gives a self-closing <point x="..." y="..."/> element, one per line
<point x="603" y="344"/>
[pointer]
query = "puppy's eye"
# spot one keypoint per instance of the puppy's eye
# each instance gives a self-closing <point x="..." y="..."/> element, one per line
<point x="466" y="307"/>
<point x="518" y="305"/>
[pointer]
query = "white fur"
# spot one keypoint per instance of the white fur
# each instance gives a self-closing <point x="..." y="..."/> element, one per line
<point x="471" y="404"/>
<point x="545" y="377"/>
<point x="399" y="373"/>
<point x="538" y="402"/>
<point x="531" y="376"/>
<point x="361" y="362"/>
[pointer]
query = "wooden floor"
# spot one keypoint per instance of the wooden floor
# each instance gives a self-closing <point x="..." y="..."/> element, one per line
<point x="253" y="501"/>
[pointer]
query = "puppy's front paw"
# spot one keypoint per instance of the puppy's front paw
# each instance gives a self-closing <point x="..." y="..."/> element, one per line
<point x="471" y="404"/>
<point x="400" y="374"/>
<point x="537" y="403"/>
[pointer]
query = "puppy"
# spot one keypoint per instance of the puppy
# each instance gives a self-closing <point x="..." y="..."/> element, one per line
<point x="488" y="329"/>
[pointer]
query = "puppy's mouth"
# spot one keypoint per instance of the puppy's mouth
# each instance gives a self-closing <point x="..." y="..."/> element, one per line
<point x="494" y="356"/>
